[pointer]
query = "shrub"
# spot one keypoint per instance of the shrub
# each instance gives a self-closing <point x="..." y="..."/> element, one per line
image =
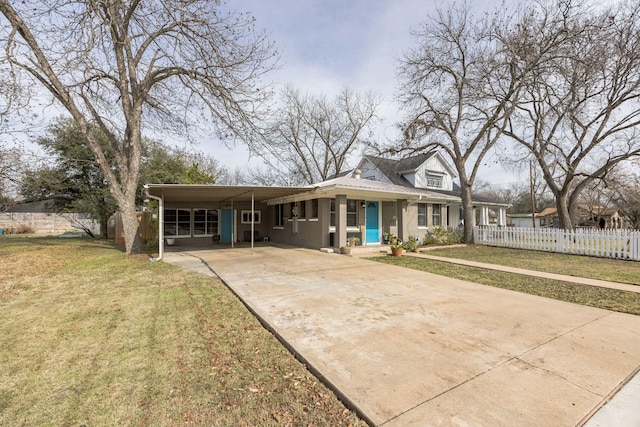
<point x="23" y="229"/>
<point x="442" y="236"/>
<point x="411" y="244"/>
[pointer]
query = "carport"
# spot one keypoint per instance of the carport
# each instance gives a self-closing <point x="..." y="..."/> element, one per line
<point x="190" y="195"/>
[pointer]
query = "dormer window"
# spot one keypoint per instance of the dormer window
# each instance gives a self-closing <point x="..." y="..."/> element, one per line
<point x="434" y="181"/>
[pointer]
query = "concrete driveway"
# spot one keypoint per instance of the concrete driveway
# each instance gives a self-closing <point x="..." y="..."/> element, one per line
<point x="412" y="348"/>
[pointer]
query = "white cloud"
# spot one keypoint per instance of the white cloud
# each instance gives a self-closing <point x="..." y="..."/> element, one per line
<point x="327" y="45"/>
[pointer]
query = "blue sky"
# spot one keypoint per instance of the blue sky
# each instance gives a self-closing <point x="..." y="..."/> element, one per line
<point x="327" y="45"/>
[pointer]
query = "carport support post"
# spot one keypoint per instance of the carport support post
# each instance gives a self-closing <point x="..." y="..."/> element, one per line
<point x="160" y="222"/>
<point x="253" y="207"/>
<point x="161" y="228"/>
<point x="341" y="221"/>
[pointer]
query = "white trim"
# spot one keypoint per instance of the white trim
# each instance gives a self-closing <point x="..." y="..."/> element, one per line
<point x="249" y="211"/>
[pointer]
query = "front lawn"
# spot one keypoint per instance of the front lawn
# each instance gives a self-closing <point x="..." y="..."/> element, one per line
<point x="609" y="299"/>
<point x="93" y="337"/>
<point x="572" y="265"/>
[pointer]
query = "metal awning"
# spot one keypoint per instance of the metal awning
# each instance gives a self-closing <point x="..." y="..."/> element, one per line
<point x="186" y="193"/>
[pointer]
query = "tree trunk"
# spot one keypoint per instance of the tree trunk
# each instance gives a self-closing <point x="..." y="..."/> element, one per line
<point x="564" y="214"/>
<point x="467" y="208"/>
<point x="131" y="228"/>
<point x="104" y="228"/>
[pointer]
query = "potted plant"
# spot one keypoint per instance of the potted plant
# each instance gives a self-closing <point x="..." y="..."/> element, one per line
<point x="353" y="241"/>
<point x="397" y="247"/>
<point x="386" y="238"/>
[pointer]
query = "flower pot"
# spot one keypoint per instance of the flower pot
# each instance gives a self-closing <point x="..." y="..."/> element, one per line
<point x="345" y="250"/>
<point x="396" y="251"/>
<point x="171" y="242"/>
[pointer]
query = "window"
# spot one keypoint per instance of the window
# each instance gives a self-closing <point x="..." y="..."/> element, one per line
<point x="314" y="208"/>
<point x="332" y="213"/>
<point x="205" y="222"/>
<point x="434" y="181"/>
<point x="302" y="209"/>
<point x="422" y="215"/>
<point x="279" y="215"/>
<point x="436" y="214"/>
<point x="245" y="217"/>
<point x="352" y="213"/>
<point x="177" y="222"/>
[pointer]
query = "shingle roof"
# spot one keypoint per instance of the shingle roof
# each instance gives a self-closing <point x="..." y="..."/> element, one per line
<point x="391" y="168"/>
<point x="370" y="185"/>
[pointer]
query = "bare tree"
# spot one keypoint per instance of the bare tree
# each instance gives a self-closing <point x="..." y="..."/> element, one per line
<point x="311" y="138"/>
<point x="127" y="65"/>
<point x="620" y="189"/>
<point x="517" y="194"/>
<point x="627" y="199"/>
<point x="459" y="86"/>
<point x="11" y="164"/>
<point x="580" y="114"/>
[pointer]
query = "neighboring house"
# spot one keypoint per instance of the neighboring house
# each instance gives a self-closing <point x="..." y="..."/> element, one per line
<point x="403" y="197"/>
<point x="37" y="216"/>
<point x="586" y="216"/>
<point x="523" y="220"/>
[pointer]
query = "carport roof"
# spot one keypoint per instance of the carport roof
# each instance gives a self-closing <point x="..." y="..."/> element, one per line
<point x="185" y="193"/>
<point x="349" y="186"/>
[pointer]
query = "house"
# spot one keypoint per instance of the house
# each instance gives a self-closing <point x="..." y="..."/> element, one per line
<point x="586" y="216"/>
<point x="404" y="197"/>
<point x="523" y="220"/>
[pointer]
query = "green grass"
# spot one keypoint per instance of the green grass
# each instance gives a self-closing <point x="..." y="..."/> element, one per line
<point x="93" y="337"/>
<point x="572" y="265"/>
<point x="609" y="299"/>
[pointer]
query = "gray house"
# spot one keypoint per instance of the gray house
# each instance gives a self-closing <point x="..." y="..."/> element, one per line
<point x="402" y="197"/>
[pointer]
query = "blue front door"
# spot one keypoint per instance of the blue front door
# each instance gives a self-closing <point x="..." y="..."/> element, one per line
<point x="371" y="223"/>
<point x="226" y="226"/>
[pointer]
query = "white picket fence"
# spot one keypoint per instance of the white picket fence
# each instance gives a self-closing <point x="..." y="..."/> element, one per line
<point x="607" y="243"/>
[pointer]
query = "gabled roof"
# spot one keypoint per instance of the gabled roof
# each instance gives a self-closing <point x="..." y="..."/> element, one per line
<point x="391" y="168"/>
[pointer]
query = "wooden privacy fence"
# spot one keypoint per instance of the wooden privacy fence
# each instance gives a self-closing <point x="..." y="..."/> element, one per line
<point x="604" y="243"/>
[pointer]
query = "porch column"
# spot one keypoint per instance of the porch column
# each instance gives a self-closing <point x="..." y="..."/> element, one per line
<point x="341" y="221"/>
<point x="502" y="217"/>
<point x="484" y="215"/>
<point x="401" y="212"/>
<point x="475" y="216"/>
